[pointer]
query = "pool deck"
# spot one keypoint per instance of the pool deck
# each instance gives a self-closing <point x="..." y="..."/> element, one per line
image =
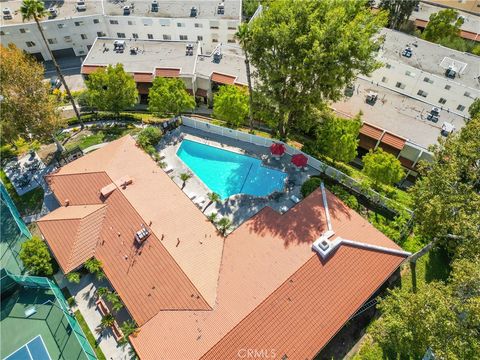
<point x="238" y="208"/>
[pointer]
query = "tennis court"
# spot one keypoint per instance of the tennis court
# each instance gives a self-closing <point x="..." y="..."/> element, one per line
<point x="35" y="349"/>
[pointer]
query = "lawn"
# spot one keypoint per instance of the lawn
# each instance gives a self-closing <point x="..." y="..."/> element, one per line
<point x="89" y="335"/>
<point x="95" y="135"/>
<point x="27" y="204"/>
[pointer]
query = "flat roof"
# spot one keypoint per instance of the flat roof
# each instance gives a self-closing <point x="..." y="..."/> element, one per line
<point x="189" y="288"/>
<point x="232" y="63"/>
<point x="206" y="9"/>
<point x="471" y="21"/>
<point x="151" y="54"/>
<point x="66" y="10"/>
<point x="428" y="57"/>
<point x="472" y="6"/>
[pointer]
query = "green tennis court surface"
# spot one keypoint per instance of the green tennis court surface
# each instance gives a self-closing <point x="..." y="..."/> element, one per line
<point x="33" y="350"/>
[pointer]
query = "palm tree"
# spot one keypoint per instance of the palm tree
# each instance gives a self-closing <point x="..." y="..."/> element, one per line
<point x="185" y="177"/>
<point x="243" y="36"/>
<point x="35" y="9"/>
<point x="102" y="291"/>
<point x="113" y="298"/>
<point x="212" y="217"/>
<point x="224" y="224"/>
<point x="73" y="277"/>
<point x="213" y="197"/>
<point x="93" y="265"/>
<point x="107" y="321"/>
<point x="128" y="328"/>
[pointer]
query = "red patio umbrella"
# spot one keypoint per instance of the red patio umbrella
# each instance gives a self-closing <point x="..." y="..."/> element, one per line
<point x="299" y="160"/>
<point x="277" y="149"/>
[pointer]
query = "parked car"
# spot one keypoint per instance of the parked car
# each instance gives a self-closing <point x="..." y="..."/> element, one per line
<point x="407" y="52"/>
<point x="432" y="117"/>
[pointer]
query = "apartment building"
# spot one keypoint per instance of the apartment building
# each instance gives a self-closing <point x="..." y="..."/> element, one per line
<point x="72" y="26"/>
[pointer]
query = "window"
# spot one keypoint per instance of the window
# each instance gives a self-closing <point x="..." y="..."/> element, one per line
<point x="384" y="79"/>
<point x="114" y="22"/>
<point x="428" y="80"/>
<point x="231" y="40"/>
<point x="30" y="43"/>
<point x="197" y="25"/>
<point x="183" y="37"/>
<point x="409" y="73"/>
<point x="52" y="41"/>
<point x="180" y="24"/>
<point x="400" y="85"/>
<point x="2" y="33"/>
<point x="167" y="37"/>
<point x="121" y="35"/>
<point x="460" y="107"/>
<point x="78" y="23"/>
<point x="96" y="21"/>
<point x="83" y="36"/>
<point x="101" y="34"/>
<point x="422" y="93"/>
<point x="214" y="24"/>
<point x="447" y="87"/>
<point x="442" y="101"/>
<point x="147" y="22"/>
<point x="164" y="22"/>
<point x="60" y="26"/>
<point x="24" y="31"/>
<point x="467" y="94"/>
<point x="131" y="22"/>
<point x="135" y="35"/>
<point x="199" y="37"/>
<point x="232" y="28"/>
<point x="214" y="40"/>
<point x="150" y="36"/>
<point x="67" y="38"/>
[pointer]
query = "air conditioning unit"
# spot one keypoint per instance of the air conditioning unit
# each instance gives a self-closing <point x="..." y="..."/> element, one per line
<point x="119" y="44"/>
<point x="142" y="235"/>
<point x="53" y="12"/>
<point x="126" y="10"/>
<point x="154" y="6"/>
<point x="193" y="12"/>
<point x="221" y="9"/>
<point x="451" y="72"/>
<point x="7" y="14"/>
<point x="217" y="56"/>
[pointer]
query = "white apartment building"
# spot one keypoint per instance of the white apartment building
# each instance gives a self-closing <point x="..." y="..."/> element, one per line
<point x="75" y="24"/>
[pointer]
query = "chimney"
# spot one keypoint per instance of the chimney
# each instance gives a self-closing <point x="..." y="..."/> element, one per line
<point x="67" y="202"/>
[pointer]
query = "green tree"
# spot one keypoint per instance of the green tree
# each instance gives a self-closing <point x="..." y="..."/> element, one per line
<point x="169" y="96"/>
<point x="224" y="224"/>
<point x="27" y="111"/>
<point x="398" y="11"/>
<point x="243" y="36"/>
<point x="310" y="186"/>
<point x="73" y="277"/>
<point x="102" y="291"/>
<point x="231" y="105"/>
<point x="36" y="257"/>
<point x="129" y="328"/>
<point x="474" y="108"/>
<point x="382" y="167"/>
<point x="249" y="7"/>
<point x="213" y="197"/>
<point x="185" y="177"/>
<point x="337" y="138"/>
<point x="213" y="217"/>
<point x="114" y="300"/>
<point x="443" y="26"/>
<point x="305" y="52"/>
<point x="35" y="10"/>
<point x="148" y="138"/>
<point x="94" y="267"/>
<point x="447" y="196"/>
<point x="107" y="321"/>
<point x="111" y="89"/>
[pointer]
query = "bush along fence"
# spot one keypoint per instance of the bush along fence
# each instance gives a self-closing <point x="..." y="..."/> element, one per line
<point x="328" y="171"/>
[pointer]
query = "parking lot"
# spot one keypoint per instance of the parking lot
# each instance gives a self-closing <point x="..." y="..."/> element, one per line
<point x="70" y="67"/>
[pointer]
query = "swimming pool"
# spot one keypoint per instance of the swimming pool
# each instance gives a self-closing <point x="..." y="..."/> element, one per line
<point x="228" y="173"/>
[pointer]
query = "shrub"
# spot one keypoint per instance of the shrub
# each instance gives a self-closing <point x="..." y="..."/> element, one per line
<point x="349" y="199"/>
<point x="148" y="138"/>
<point x="36" y="257"/>
<point x="310" y="186"/>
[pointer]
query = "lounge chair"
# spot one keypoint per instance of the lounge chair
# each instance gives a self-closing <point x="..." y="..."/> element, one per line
<point x="295" y="199"/>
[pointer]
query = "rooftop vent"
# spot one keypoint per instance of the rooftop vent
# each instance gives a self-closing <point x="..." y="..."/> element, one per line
<point x="193" y="12"/>
<point x="189" y="49"/>
<point x="126" y="10"/>
<point x="154" y="6"/>
<point x="217" y="56"/>
<point x="221" y="9"/>
<point x="323" y="246"/>
<point x="451" y="72"/>
<point x="7" y="14"/>
<point x="142" y="235"/>
<point x="119" y="45"/>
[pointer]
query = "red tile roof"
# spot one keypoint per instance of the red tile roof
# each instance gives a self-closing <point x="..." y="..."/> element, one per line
<point x="371" y="131"/>
<point x="167" y="72"/>
<point x="143" y="77"/>
<point x="394" y="141"/>
<point x="223" y="79"/>
<point x="88" y="69"/>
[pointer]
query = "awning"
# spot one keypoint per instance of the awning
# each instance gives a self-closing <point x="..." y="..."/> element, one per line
<point x="299" y="160"/>
<point x="371" y="131"/>
<point x="167" y="72"/>
<point x="143" y="77"/>
<point x="392" y="140"/>
<point x="277" y="149"/>
<point x="88" y="69"/>
<point x="201" y="92"/>
<point x="223" y="79"/>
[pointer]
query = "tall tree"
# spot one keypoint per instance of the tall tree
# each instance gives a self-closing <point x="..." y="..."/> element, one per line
<point x="243" y="37"/>
<point x="35" y="9"/>
<point x="231" y="104"/>
<point x="447" y="196"/>
<point x="398" y="11"/>
<point x="474" y="108"/>
<point x="27" y="109"/>
<point x="305" y="52"/>
<point x="382" y="167"/>
<point x="337" y="138"/>
<point x="443" y="26"/>
<point x="36" y="257"/>
<point x="169" y="96"/>
<point x="111" y="89"/>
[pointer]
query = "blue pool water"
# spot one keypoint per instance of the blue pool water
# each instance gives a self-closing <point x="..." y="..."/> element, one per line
<point x="228" y="173"/>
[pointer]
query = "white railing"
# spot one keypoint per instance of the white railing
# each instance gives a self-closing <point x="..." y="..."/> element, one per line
<point x="318" y="165"/>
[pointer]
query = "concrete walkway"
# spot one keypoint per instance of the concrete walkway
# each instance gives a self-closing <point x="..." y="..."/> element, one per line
<point x="94" y="147"/>
<point x="84" y="294"/>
